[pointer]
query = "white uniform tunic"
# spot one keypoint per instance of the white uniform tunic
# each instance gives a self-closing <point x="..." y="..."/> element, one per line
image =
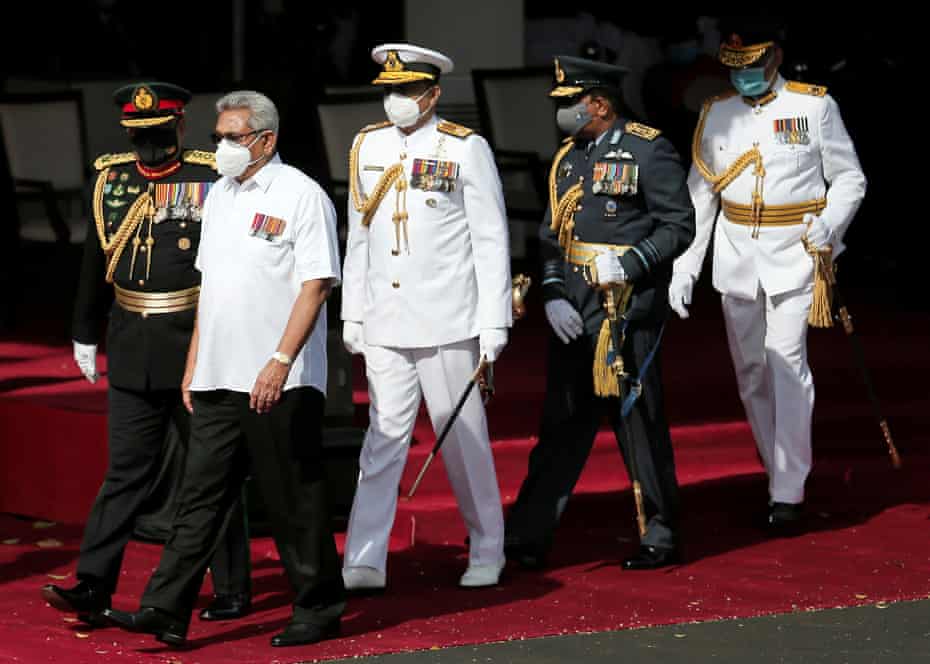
<point x="423" y="294"/>
<point x="766" y="281"/>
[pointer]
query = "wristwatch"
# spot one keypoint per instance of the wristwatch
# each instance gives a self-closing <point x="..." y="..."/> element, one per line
<point x="281" y="357"/>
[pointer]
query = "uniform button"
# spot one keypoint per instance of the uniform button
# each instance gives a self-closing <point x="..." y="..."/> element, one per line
<point x="183" y="224"/>
<point x="577" y="239"/>
<point x="577" y="208"/>
<point x="575" y="268"/>
<point x="403" y="155"/>
<point x="395" y="284"/>
<point x="145" y="314"/>
<point x="142" y="248"/>
<point x="142" y="282"/>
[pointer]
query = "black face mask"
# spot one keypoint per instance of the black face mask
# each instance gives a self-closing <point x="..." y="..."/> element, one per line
<point x="155" y="145"/>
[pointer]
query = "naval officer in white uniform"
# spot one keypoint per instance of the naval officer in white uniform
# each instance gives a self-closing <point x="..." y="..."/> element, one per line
<point x="772" y="162"/>
<point x="427" y="295"/>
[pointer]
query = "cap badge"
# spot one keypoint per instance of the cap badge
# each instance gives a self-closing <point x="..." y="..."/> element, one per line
<point x="559" y="72"/>
<point x="393" y="63"/>
<point x="143" y="99"/>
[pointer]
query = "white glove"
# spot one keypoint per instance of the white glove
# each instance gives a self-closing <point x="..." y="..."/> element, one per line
<point x="679" y="293"/>
<point x="85" y="355"/>
<point x="491" y="342"/>
<point x="353" y="337"/>
<point x="564" y="320"/>
<point x="609" y="270"/>
<point x="818" y="233"/>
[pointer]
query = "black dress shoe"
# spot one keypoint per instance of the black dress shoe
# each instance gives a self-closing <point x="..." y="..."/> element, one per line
<point x="650" y="557"/>
<point x="527" y="556"/>
<point x="227" y="607"/>
<point x="85" y="599"/>
<point x="784" y="518"/>
<point x="299" y="634"/>
<point x="148" y="620"/>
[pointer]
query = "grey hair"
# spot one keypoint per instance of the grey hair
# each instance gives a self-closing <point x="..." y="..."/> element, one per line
<point x="264" y="114"/>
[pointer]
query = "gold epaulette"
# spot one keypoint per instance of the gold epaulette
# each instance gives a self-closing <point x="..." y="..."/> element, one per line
<point x="373" y="127"/>
<point x="454" y="129"/>
<point x="199" y="157"/>
<point x="641" y="130"/>
<point x="806" y="88"/>
<point x="113" y="159"/>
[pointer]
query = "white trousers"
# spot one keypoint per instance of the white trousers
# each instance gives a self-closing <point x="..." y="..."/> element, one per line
<point x="396" y="379"/>
<point x="768" y="343"/>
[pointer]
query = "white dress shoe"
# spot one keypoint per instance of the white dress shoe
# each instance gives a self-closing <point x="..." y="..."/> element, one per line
<point x="363" y="578"/>
<point x="477" y="576"/>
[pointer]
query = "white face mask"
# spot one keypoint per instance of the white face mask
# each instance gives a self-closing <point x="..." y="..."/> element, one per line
<point x="402" y="110"/>
<point x="232" y="158"/>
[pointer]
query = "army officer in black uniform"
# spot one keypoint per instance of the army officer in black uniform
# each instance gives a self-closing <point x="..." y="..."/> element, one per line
<point x="143" y="237"/>
<point x="619" y="213"/>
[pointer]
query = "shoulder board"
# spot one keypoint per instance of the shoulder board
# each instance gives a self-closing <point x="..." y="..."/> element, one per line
<point x="113" y="159"/>
<point x="373" y="127"/>
<point x="454" y="129"/>
<point x="642" y="131"/>
<point x="806" y="88"/>
<point x="199" y="157"/>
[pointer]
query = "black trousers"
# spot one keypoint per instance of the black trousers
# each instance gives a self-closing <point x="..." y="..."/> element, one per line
<point x="138" y="426"/>
<point x="284" y="453"/>
<point x="572" y="415"/>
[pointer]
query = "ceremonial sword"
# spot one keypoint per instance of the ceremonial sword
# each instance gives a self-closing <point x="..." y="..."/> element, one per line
<point x="824" y="265"/>
<point x="520" y="285"/>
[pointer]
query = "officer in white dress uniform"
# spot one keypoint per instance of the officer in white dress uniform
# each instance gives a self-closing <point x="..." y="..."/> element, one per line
<point x="427" y="294"/>
<point x="772" y="162"/>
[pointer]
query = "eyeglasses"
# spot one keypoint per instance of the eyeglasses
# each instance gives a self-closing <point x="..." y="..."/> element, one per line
<point x="235" y="138"/>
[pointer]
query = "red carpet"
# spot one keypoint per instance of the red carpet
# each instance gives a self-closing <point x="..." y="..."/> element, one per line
<point x="869" y="539"/>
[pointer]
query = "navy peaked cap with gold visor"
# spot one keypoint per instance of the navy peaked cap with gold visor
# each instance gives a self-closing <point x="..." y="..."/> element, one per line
<point x="746" y="40"/>
<point x="575" y="75"/>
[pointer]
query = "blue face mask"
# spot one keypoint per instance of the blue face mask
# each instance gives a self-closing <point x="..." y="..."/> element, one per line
<point x="749" y="82"/>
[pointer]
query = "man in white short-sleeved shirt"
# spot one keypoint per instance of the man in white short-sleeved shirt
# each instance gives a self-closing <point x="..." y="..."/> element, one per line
<point x="256" y="378"/>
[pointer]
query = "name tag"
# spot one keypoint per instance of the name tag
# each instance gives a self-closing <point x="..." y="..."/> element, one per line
<point x="373" y="168"/>
<point x="266" y="227"/>
<point x="434" y="175"/>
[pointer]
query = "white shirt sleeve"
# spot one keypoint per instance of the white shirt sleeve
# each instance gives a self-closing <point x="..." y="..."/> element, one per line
<point x="355" y="268"/>
<point x="841" y="170"/>
<point x="706" y="205"/>
<point x="490" y="237"/>
<point x="316" y="250"/>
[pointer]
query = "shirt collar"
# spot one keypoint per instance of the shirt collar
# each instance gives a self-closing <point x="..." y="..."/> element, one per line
<point x="262" y="178"/>
<point x="425" y="130"/>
